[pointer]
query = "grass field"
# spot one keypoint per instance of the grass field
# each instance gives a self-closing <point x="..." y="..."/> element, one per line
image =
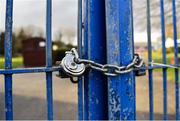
<point x="17" y="62"/>
<point x="157" y="57"/>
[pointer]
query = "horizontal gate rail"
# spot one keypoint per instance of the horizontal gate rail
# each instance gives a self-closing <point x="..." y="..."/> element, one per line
<point x="56" y="69"/>
<point x="30" y="70"/>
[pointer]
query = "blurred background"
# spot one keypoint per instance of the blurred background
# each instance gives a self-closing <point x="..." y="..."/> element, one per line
<point x="29" y="51"/>
<point x="29" y="30"/>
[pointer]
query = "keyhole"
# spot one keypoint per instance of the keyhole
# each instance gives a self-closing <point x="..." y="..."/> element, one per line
<point x="73" y="64"/>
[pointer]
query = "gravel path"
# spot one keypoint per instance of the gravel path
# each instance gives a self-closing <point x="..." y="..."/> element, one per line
<point x="30" y="97"/>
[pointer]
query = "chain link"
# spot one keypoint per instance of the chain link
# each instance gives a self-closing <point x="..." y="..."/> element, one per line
<point x="109" y="69"/>
<point x="73" y="66"/>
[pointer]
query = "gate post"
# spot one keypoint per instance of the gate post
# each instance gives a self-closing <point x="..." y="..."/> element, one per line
<point x="121" y="89"/>
<point x="95" y="83"/>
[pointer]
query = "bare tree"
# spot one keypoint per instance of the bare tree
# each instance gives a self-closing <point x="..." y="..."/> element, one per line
<point x="30" y="31"/>
<point x="66" y="35"/>
<point x="140" y="8"/>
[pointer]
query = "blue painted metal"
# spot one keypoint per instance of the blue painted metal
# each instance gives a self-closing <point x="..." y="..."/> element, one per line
<point x="85" y="56"/>
<point x="96" y="52"/>
<point x="121" y="90"/>
<point x="54" y="69"/>
<point x="117" y="25"/>
<point x="133" y="50"/>
<point x="80" y="83"/>
<point x="150" y="71"/>
<point x="163" y="29"/>
<point x="49" y="59"/>
<point x="176" y="60"/>
<point x="95" y="106"/>
<point x="29" y="70"/>
<point x="8" y="60"/>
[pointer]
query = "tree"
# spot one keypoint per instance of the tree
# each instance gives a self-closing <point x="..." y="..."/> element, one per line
<point x="2" y="43"/>
<point x="66" y="35"/>
<point x="20" y="36"/>
<point x="2" y="38"/>
<point x="140" y="8"/>
<point x="169" y="31"/>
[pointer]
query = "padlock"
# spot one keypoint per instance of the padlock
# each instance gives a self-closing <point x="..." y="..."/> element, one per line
<point x="141" y="71"/>
<point x="70" y="67"/>
<point x="62" y="74"/>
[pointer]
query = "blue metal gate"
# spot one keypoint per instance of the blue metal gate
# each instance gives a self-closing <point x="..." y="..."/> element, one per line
<point x="105" y="35"/>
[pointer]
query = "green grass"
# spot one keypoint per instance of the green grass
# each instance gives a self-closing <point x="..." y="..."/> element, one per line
<point x="16" y="62"/>
<point x="170" y="74"/>
<point x="157" y="57"/>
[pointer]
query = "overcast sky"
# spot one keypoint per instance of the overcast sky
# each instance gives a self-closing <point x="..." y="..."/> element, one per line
<point x="33" y="12"/>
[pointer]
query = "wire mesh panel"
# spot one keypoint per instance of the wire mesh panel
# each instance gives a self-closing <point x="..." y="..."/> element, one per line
<point x="159" y="15"/>
<point x="8" y="72"/>
<point x="106" y="38"/>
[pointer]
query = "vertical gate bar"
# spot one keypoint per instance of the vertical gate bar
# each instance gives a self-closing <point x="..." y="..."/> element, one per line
<point x="132" y="20"/>
<point x="8" y="60"/>
<point x="150" y="71"/>
<point x="176" y="59"/>
<point x="96" y="52"/>
<point x="85" y="55"/>
<point x="49" y="59"/>
<point x="121" y="90"/>
<point x="163" y="31"/>
<point x="80" y="83"/>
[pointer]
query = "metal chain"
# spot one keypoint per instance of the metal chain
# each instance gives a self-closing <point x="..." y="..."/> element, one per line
<point x="73" y="66"/>
<point x="109" y="69"/>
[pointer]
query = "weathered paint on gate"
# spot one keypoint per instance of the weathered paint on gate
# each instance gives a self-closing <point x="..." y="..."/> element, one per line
<point x="121" y="89"/>
<point x="105" y="35"/>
